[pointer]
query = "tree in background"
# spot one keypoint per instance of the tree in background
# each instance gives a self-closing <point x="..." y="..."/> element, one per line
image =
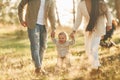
<point x="8" y="11"/>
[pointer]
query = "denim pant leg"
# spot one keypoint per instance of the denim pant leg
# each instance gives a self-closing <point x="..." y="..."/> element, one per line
<point x="43" y="41"/>
<point x="33" y="35"/>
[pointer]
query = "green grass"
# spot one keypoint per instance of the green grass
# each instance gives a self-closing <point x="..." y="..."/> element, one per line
<point x="16" y="62"/>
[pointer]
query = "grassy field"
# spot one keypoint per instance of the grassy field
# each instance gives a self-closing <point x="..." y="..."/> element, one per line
<point x="16" y="62"/>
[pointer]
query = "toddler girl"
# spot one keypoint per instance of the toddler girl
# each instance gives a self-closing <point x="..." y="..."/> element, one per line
<point x="62" y="45"/>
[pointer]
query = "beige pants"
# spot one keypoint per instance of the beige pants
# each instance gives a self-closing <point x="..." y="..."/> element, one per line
<point x="91" y="47"/>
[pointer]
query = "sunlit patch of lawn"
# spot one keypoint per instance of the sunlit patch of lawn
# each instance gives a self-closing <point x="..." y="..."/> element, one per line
<point x="10" y="44"/>
<point x="16" y="62"/>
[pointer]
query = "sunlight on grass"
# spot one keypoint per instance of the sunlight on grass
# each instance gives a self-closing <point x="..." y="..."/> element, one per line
<point x="16" y="62"/>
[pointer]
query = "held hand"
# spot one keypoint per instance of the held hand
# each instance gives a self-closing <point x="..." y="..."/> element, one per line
<point x="24" y="24"/>
<point x="108" y="28"/>
<point x="72" y="34"/>
<point x="52" y="34"/>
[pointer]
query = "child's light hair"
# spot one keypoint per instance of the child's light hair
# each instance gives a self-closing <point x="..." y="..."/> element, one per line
<point x="64" y="33"/>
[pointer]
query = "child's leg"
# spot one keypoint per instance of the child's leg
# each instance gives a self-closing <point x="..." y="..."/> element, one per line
<point x="60" y="62"/>
<point x="67" y="61"/>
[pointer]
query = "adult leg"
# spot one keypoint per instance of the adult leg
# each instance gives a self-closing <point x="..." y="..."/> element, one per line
<point x="91" y="47"/>
<point x="94" y="49"/>
<point x="88" y="39"/>
<point x="43" y="41"/>
<point x="34" y="45"/>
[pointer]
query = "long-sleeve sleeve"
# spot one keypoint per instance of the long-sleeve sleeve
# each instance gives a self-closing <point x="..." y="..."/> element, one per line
<point x="78" y="17"/>
<point x="109" y="18"/>
<point x="52" y="15"/>
<point x="20" y="9"/>
<point x="54" y="40"/>
<point x="105" y="10"/>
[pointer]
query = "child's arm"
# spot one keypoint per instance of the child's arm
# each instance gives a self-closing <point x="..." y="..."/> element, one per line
<point x="54" y="40"/>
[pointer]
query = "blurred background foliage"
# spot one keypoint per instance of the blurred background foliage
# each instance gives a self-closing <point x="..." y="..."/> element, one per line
<point x="8" y="10"/>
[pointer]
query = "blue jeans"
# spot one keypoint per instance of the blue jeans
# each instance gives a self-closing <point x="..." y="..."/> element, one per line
<point x="38" y="43"/>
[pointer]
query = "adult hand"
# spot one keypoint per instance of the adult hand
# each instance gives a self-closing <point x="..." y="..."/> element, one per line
<point x="53" y="34"/>
<point x="72" y="34"/>
<point x="24" y="23"/>
<point x="109" y="28"/>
